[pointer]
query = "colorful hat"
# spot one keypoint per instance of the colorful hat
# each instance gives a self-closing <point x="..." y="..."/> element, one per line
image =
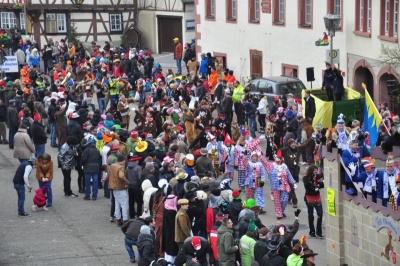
<point x="249" y="203"/>
<point x="367" y="162"/>
<point x="196" y="243"/>
<point x="236" y="194"/>
<point x="245" y="133"/>
<point x="252" y="227"/>
<point x="390" y="160"/>
<point x="210" y="136"/>
<point x="228" y="140"/>
<point x="36" y="118"/>
<point x="340" y="120"/>
<point x="106" y="139"/>
<point x="141" y="146"/>
<point x="278" y="156"/>
<point x="115" y="147"/>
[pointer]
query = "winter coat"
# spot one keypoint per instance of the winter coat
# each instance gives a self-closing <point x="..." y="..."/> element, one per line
<point x="117" y="177"/>
<point x="44" y="170"/>
<point x="202" y="165"/>
<point x="178" y="51"/>
<point x="148" y="190"/>
<point x="196" y="215"/>
<point x="273" y="260"/>
<point x="182" y="226"/>
<point x="23" y="146"/>
<point x="234" y="208"/>
<point x="247" y="250"/>
<point x="188" y="252"/>
<point x="309" y="108"/>
<point x="134" y="174"/>
<point x="38" y="134"/>
<point x="146" y="249"/>
<point x="260" y="249"/>
<point x="12" y="118"/>
<point x="190" y="133"/>
<point x="169" y="245"/>
<point x="66" y="157"/>
<point x="75" y="129"/>
<point x="226" y="246"/>
<point x="39" y="199"/>
<point x="146" y="174"/>
<point x="131" y="228"/>
<point x="91" y="159"/>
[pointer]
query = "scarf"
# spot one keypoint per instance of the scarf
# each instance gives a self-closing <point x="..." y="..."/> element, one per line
<point x="370" y="182"/>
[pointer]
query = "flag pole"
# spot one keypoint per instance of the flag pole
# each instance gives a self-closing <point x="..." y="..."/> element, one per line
<point x="376" y="109"/>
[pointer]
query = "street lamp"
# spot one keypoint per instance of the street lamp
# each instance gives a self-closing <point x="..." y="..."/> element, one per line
<point x="332" y="23"/>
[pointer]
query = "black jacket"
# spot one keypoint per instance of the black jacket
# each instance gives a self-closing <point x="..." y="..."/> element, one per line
<point x="187" y="252"/>
<point x="273" y="260"/>
<point x="202" y="138"/>
<point x="196" y="215"/>
<point x="146" y="174"/>
<point x="3" y="113"/>
<point x="310" y="107"/>
<point x="134" y="174"/>
<point x="91" y="159"/>
<point x="227" y="104"/>
<point x="234" y="208"/>
<point x="75" y="129"/>
<point x="12" y="118"/>
<point x="310" y="185"/>
<point x="38" y="134"/>
<point x="51" y="112"/>
<point x="145" y="245"/>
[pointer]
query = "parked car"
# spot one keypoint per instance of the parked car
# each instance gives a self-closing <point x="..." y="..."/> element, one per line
<point x="275" y="86"/>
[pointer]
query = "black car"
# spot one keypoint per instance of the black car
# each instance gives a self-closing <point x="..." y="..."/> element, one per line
<point x="275" y="86"/>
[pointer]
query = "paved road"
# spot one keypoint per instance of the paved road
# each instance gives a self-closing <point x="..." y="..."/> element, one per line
<point x="78" y="232"/>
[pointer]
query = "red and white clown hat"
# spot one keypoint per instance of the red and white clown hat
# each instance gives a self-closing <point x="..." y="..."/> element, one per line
<point x="210" y="136"/>
<point x="228" y="140"/>
<point x="278" y="156"/>
<point x="368" y="162"/>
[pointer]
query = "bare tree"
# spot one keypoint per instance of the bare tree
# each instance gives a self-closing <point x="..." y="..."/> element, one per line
<point x="390" y="56"/>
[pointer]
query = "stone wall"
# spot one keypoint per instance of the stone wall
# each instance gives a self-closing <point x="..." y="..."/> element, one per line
<point x="352" y="235"/>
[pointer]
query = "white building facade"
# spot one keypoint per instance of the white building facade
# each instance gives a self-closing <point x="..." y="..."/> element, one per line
<point x="277" y="37"/>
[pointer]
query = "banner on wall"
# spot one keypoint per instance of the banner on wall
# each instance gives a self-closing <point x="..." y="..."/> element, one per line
<point x="10" y="65"/>
<point x="331" y="201"/>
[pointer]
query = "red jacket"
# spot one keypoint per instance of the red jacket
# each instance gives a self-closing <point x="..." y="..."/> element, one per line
<point x="213" y="241"/>
<point x="178" y="51"/>
<point x="210" y="219"/>
<point x="39" y="199"/>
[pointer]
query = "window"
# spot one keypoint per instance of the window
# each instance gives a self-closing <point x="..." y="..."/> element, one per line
<point x="210" y="9"/>
<point x="389" y="20"/>
<point x="22" y="22"/>
<point x="254" y="8"/>
<point x="264" y="86"/>
<point x="290" y="70"/>
<point x="115" y="22"/>
<point x="231" y="9"/>
<point x="363" y="18"/>
<point x="56" y="23"/>
<point x="305" y="13"/>
<point x="279" y="12"/>
<point x="335" y="7"/>
<point x="8" y="20"/>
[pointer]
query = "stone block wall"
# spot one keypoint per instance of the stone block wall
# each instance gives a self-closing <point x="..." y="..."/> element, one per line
<point x="352" y="236"/>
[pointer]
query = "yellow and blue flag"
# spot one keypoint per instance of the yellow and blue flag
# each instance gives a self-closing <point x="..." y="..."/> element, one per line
<point x="372" y="119"/>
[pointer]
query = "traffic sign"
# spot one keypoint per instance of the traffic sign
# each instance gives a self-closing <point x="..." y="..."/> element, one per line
<point x="335" y="56"/>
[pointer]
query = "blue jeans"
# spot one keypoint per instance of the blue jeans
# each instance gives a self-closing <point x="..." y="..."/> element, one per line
<point x="102" y="105"/>
<point x="114" y="100"/>
<point x="53" y="134"/>
<point x="252" y="126"/>
<point x="39" y="149"/>
<point x="128" y="245"/>
<point x="50" y="193"/>
<point x="11" y="134"/>
<point x="21" y="197"/>
<point x="95" y="181"/>
<point x="320" y="212"/>
<point x="179" y="65"/>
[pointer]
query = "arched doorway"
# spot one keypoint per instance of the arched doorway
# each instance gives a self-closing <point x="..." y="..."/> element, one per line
<point x="384" y="92"/>
<point x="364" y="75"/>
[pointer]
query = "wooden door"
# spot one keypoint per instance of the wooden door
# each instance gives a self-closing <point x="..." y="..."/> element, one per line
<point x="168" y="29"/>
<point x="256" y="69"/>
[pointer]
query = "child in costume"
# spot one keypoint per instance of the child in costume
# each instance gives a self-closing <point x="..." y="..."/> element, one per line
<point x="39" y="200"/>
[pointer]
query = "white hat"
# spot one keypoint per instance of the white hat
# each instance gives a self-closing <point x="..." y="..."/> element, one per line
<point x="190" y="157"/>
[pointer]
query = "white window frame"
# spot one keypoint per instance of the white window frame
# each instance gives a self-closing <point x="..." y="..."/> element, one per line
<point x="113" y="18"/>
<point x="307" y="11"/>
<point x="233" y="8"/>
<point x="369" y="11"/>
<point x="281" y="11"/>
<point x="8" y="20"/>
<point x="212" y="8"/>
<point x="60" y="20"/>
<point x="361" y="14"/>
<point x="256" y="9"/>
<point x="387" y="10"/>
<point x="395" y="17"/>
<point x="337" y="4"/>
<point x="22" y="22"/>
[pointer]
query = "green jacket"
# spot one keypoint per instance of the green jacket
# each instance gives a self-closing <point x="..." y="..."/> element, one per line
<point x="294" y="260"/>
<point x="226" y="246"/>
<point x="247" y="250"/>
<point x="130" y="146"/>
<point x="238" y="93"/>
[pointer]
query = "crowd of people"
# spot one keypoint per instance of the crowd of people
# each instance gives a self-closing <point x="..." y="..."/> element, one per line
<point x="171" y="162"/>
